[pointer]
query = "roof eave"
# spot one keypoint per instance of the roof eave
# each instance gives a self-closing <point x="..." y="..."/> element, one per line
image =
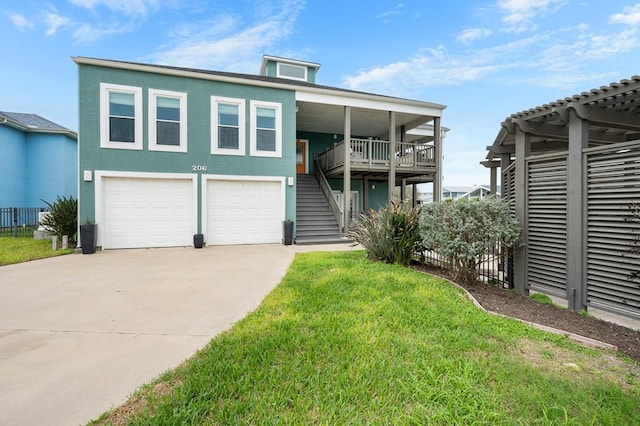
<point x="260" y="83"/>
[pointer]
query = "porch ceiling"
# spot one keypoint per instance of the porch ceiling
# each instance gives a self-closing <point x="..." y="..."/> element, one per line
<point x="613" y="114"/>
<point x="325" y="118"/>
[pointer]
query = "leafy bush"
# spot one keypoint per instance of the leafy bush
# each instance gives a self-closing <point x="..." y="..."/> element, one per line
<point x="391" y="234"/>
<point x="63" y="218"/>
<point x="462" y="232"/>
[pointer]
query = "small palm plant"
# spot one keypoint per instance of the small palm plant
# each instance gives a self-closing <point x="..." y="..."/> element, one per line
<point x="391" y="234"/>
<point x="62" y="218"/>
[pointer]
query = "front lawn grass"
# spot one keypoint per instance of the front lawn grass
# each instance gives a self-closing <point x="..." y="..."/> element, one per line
<point x="343" y="340"/>
<point x="16" y="250"/>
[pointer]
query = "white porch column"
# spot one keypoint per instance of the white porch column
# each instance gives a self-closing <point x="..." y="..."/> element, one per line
<point x="437" y="178"/>
<point x="576" y="284"/>
<point x="392" y="154"/>
<point x="523" y="147"/>
<point x="347" y="170"/>
<point x="365" y="194"/>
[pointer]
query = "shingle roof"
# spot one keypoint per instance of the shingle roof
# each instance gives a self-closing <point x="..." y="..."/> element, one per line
<point x="34" y="123"/>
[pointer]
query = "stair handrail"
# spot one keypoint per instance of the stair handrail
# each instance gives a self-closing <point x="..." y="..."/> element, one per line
<point x="326" y="190"/>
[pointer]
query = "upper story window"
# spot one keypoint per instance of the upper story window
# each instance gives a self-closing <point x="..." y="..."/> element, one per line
<point x="120" y="116"/>
<point x="266" y="129"/>
<point x="227" y="126"/>
<point x="167" y="121"/>
<point x="294" y="72"/>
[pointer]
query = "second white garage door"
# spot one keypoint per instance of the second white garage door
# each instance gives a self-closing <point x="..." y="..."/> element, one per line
<point x="244" y="212"/>
<point x="141" y="212"/>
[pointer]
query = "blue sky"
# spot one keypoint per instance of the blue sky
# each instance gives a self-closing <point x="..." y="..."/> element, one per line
<point x="483" y="59"/>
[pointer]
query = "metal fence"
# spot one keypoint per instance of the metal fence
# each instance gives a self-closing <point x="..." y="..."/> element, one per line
<point x="19" y="222"/>
<point x="496" y="267"/>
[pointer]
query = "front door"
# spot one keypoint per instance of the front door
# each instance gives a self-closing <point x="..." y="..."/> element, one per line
<point x="301" y="156"/>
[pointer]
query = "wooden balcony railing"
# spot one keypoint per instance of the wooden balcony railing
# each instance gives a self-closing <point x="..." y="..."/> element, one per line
<point x="370" y="153"/>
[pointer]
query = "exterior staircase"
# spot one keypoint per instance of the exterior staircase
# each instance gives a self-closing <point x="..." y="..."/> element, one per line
<point x="316" y="223"/>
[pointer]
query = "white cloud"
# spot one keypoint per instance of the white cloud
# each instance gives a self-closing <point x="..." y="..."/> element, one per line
<point x="520" y="13"/>
<point x="471" y="34"/>
<point x="386" y="16"/>
<point x="127" y="7"/>
<point x="428" y="67"/>
<point x="87" y="33"/>
<point x="19" y="21"/>
<point x="54" y="21"/>
<point x="629" y="16"/>
<point x="228" y="46"/>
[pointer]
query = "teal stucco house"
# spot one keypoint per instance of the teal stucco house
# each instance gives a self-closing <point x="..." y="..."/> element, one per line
<point x="39" y="160"/>
<point x="168" y="152"/>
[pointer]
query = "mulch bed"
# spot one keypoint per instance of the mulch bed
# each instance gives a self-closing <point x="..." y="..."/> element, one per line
<point x="505" y="302"/>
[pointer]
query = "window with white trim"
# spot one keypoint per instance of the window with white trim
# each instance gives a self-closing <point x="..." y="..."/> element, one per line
<point x="120" y="116"/>
<point x="266" y="129"/>
<point x="167" y="121"/>
<point x="227" y="126"/>
<point x="294" y="72"/>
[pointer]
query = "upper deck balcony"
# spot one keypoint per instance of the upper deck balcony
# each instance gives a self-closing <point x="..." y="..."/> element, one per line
<point x="371" y="157"/>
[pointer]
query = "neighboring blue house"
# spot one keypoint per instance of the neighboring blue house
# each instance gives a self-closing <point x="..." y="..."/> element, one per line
<point x="39" y="160"/>
<point x="168" y="152"/>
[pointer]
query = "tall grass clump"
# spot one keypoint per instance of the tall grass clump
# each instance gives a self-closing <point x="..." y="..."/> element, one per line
<point x="390" y="234"/>
<point x="63" y="218"/>
<point x="464" y="231"/>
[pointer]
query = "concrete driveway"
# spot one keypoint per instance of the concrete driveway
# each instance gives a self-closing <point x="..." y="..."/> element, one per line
<point x="80" y="333"/>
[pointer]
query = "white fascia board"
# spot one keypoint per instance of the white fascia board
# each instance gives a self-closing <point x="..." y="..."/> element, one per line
<point x="368" y="101"/>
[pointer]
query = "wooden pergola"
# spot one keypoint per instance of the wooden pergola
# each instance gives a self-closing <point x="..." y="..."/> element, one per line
<point x="569" y="170"/>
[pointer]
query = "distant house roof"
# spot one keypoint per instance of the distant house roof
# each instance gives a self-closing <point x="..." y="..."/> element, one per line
<point x="33" y="123"/>
<point x="458" y="189"/>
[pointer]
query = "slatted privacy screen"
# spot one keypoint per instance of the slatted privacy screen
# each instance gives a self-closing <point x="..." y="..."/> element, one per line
<point x="547" y="224"/>
<point x="613" y="181"/>
<point x="508" y="187"/>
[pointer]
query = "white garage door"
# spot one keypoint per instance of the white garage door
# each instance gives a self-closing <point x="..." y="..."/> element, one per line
<point x="244" y="212"/>
<point x="142" y="212"/>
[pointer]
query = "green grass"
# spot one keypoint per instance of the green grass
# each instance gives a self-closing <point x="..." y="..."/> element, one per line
<point x="541" y="298"/>
<point x="343" y="340"/>
<point x="16" y="250"/>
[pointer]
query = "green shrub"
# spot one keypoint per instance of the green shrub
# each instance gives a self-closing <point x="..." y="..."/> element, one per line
<point x="462" y="232"/>
<point x="63" y="218"/>
<point x="390" y="234"/>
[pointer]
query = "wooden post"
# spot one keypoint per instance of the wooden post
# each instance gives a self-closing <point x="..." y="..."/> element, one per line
<point x="576" y="284"/>
<point x="523" y="147"/>
<point x="437" y="142"/>
<point x="347" y="170"/>
<point x="392" y="155"/>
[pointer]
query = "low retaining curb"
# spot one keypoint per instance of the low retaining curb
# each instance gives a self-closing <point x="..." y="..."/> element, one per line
<point x="587" y="341"/>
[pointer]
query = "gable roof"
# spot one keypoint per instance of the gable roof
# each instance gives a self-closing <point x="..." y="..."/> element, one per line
<point x="33" y="123"/>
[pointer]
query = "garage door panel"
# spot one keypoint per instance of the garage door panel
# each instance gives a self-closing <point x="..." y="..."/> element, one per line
<point x="147" y="212"/>
<point x="244" y="212"/>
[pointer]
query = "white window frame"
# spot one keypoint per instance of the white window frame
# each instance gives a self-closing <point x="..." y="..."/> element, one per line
<point x="105" y="89"/>
<point x="153" y="137"/>
<point x="254" y="105"/>
<point x="279" y="73"/>
<point x="242" y="142"/>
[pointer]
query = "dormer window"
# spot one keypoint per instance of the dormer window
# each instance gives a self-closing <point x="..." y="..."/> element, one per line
<point x="292" y="69"/>
<point x="294" y="72"/>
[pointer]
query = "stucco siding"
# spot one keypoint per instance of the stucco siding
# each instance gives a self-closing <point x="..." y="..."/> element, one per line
<point x="199" y="93"/>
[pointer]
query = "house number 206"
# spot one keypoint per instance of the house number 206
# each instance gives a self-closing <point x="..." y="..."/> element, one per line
<point x="197" y="168"/>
